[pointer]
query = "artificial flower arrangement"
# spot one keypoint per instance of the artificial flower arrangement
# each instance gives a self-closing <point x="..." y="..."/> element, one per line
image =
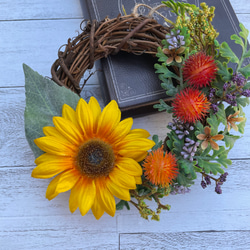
<point x="98" y="157"/>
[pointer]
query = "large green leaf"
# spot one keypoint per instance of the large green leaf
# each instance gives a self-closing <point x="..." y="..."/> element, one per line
<point x="44" y="99"/>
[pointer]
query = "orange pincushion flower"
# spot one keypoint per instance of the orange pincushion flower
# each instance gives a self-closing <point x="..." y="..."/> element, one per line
<point x="190" y="105"/>
<point x="160" y="169"/>
<point x="199" y="70"/>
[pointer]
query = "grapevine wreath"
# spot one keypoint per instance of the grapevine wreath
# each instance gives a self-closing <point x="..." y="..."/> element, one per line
<point x="97" y="156"/>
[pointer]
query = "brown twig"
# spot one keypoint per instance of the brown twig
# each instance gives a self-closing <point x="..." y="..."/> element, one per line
<point x="128" y="33"/>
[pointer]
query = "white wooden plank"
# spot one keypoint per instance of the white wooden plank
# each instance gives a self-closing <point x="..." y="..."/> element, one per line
<point x="240" y="7"/>
<point x="200" y="210"/>
<point x="41" y="9"/>
<point x="47" y="9"/>
<point x="57" y="232"/>
<point x="23" y="196"/>
<point x="34" y="43"/>
<point x="191" y="240"/>
<point x="14" y="149"/>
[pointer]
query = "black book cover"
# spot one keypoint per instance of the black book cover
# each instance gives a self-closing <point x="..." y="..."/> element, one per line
<point x="131" y="79"/>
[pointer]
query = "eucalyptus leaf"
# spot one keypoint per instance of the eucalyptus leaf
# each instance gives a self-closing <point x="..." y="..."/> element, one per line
<point x="44" y="99"/>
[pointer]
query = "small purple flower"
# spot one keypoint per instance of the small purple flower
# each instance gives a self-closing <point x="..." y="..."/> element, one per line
<point x="239" y="80"/>
<point x="203" y="184"/>
<point x="246" y="93"/>
<point x="208" y="181"/>
<point x="231" y="99"/>
<point x="218" y="189"/>
<point x="214" y="108"/>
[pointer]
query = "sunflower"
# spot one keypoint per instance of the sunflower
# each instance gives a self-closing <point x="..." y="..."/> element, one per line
<point x="93" y="154"/>
<point x="190" y="105"/>
<point x="159" y="168"/>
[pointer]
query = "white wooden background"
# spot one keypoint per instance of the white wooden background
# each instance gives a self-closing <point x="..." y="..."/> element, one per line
<point x="31" y="32"/>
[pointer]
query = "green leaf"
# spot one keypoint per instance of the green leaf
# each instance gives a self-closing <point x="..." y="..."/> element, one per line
<point x="163" y="106"/>
<point x="244" y="32"/>
<point x="243" y="101"/>
<point x="226" y="51"/>
<point x="237" y="40"/>
<point x="44" y="99"/>
<point x="223" y="71"/>
<point x="121" y="204"/>
<point x="241" y="126"/>
<point x="230" y="140"/>
<point x="245" y="71"/>
<point x="247" y="54"/>
<point x="213" y="167"/>
<point x="158" y="143"/>
<point x="184" y="180"/>
<point x="208" y="166"/>
<point x="214" y="123"/>
<point x="162" y="69"/>
<point x="223" y="160"/>
<point x="188" y="167"/>
<point x="221" y="114"/>
<point x="247" y="85"/>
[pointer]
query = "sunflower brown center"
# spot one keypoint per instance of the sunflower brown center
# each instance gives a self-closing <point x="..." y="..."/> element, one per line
<point x="95" y="158"/>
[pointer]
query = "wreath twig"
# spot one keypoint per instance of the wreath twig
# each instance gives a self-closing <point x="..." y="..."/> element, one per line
<point x="130" y="33"/>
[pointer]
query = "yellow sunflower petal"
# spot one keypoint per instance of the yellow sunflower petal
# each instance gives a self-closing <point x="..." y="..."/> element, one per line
<point x="109" y="119"/>
<point x="52" y="131"/>
<point x="140" y="156"/>
<point x="97" y="209"/>
<point x="138" y="133"/>
<point x="45" y="157"/>
<point x="138" y="180"/>
<point x="68" y="130"/>
<point x="69" y="114"/>
<point x="129" y="166"/>
<point x="108" y="200"/>
<point x="84" y="117"/>
<point x="96" y="111"/>
<point x="74" y="196"/>
<point x="122" y="129"/>
<point x="87" y="195"/>
<point x="67" y="180"/>
<point x="130" y="147"/>
<point x="53" y="145"/>
<point x="122" y="179"/>
<point x="51" y="189"/>
<point x="49" y="169"/>
<point x="119" y="192"/>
